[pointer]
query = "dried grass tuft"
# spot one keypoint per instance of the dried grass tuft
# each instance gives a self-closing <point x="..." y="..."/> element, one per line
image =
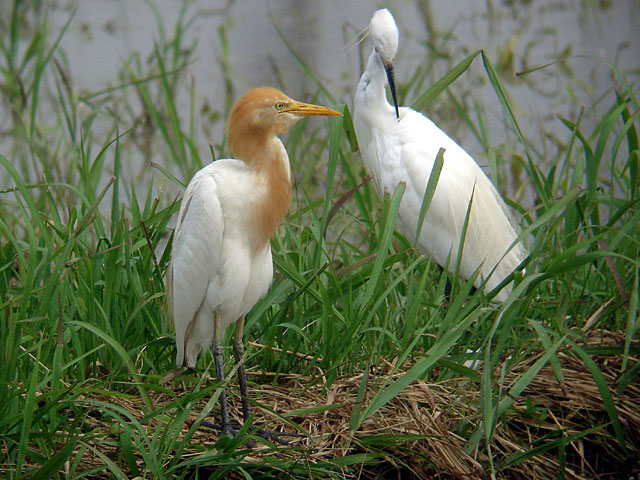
<point x="438" y="412"/>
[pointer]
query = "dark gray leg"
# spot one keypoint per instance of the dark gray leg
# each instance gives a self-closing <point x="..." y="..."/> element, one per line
<point x="219" y="360"/>
<point x="238" y="353"/>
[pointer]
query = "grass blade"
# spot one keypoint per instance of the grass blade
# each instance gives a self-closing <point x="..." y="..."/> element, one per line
<point x="607" y="399"/>
<point x="385" y="241"/>
<point x="494" y="79"/>
<point x="432" y="183"/>
<point x="124" y="356"/>
<point x="437" y="88"/>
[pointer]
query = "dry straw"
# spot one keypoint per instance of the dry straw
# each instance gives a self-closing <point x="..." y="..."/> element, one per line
<point x="430" y="415"/>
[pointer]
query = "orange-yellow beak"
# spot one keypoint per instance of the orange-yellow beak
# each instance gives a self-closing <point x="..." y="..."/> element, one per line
<point x="308" y="109"/>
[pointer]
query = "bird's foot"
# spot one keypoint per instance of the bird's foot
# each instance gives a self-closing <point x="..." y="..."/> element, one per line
<point x="275" y="437"/>
<point x="228" y="430"/>
<point x="224" y="429"/>
<point x="269" y="435"/>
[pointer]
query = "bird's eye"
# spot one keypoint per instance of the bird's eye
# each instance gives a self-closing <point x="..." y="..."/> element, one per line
<point x="279" y="106"/>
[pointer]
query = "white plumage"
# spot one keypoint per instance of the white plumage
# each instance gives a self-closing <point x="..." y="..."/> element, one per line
<point x="214" y="256"/>
<point x="221" y="260"/>
<point x="403" y="148"/>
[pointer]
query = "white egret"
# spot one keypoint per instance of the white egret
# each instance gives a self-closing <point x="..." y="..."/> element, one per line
<point x="400" y="145"/>
<point x="221" y="260"/>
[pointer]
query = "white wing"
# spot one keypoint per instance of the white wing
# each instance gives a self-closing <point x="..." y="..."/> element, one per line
<point x="195" y="259"/>
<point x="489" y="233"/>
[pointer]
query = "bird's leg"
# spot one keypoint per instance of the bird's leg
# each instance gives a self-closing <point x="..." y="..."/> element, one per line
<point x="219" y="360"/>
<point x="238" y="353"/>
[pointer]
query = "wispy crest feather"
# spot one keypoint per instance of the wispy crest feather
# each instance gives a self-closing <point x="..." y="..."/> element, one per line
<point x="357" y="40"/>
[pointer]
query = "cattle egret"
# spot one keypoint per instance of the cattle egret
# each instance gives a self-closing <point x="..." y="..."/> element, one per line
<point x="400" y="146"/>
<point x="221" y="261"/>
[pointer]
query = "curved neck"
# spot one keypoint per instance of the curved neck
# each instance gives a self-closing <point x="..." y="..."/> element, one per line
<point x="371" y="103"/>
<point x="372" y="86"/>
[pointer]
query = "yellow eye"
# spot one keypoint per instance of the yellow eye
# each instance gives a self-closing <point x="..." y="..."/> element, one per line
<point x="279" y="106"/>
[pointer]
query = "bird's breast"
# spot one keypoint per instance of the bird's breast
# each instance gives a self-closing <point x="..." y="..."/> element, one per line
<point x="273" y="197"/>
<point x="245" y="278"/>
<point x="255" y="197"/>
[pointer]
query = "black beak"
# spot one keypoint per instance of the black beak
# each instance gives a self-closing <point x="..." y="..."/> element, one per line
<point x="388" y="67"/>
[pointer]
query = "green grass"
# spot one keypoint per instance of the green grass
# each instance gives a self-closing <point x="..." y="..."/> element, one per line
<point x="85" y="333"/>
